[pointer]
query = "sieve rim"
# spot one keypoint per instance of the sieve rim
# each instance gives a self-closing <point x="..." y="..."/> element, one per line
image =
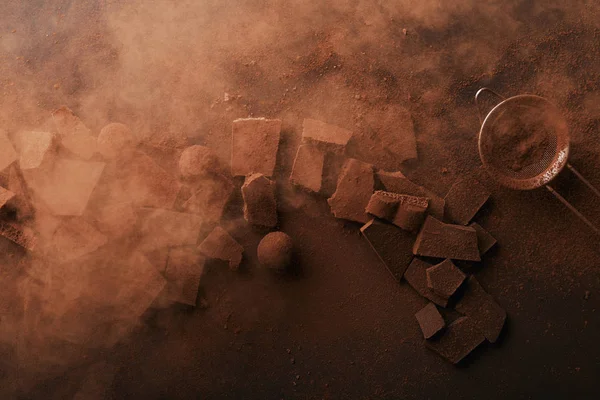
<point x="554" y="167"/>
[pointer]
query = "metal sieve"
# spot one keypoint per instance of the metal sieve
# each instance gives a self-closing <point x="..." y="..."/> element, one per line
<point x="524" y="144"/>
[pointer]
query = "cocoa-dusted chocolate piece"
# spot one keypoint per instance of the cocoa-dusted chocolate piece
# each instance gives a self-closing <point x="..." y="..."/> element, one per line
<point x="440" y="240"/>
<point x="444" y="278"/>
<point x="8" y="154"/>
<point x="220" y="245"/>
<point x="464" y="199"/>
<point x="21" y="235"/>
<point x="196" y="161"/>
<point x="398" y="183"/>
<point x="210" y="197"/>
<point x="485" y="241"/>
<point x="22" y="199"/>
<point x="66" y="187"/>
<point x="411" y="212"/>
<point x="260" y="204"/>
<point x="307" y="171"/>
<point x="68" y="124"/>
<point x="36" y="149"/>
<point x="416" y="276"/>
<point x="354" y="189"/>
<point x="481" y="307"/>
<point x="391" y="244"/>
<point x="254" y="145"/>
<point x="74" y="135"/>
<point x="5" y="196"/>
<point x="383" y="205"/>
<point x="326" y="134"/>
<point x="74" y="238"/>
<point x="183" y="273"/>
<point x="430" y="320"/>
<point x="459" y="339"/>
<point x="145" y="183"/>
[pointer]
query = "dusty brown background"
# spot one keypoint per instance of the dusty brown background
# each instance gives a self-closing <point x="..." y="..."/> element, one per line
<point x="343" y="328"/>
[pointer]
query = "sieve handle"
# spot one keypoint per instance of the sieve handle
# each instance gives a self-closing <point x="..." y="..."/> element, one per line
<point x="479" y="92"/>
<point x="573" y="209"/>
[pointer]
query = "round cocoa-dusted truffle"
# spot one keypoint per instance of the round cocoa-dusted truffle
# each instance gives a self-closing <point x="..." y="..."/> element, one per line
<point x="197" y="161"/>
<point x="275" y="251"/>
<point x="115" y="139"/>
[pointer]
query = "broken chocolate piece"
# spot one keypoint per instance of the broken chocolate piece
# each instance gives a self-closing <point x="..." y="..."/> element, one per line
<point x="36" y="149"/>
<point x="74" y="238"/>
<point x="139" y="285"/>
<point x="210" y="198"/>
<point x="5" y="196"/>
<point x="444" y="278"/>
<point x="21" y="201"/>
<point x="254" y="146"/>
<point x="440" y="240"/>
<point x="8" y="155"/>
<point x="383" y="205"/>
<point x="430" y="320"/>
<point x="485" y="241"/>
<point x="196" y="161"/>
<point x="74" y="135"/>
<point x="327" y="134"/>
<point x="354" y="189"/>
<point x="220" y="245"/>
<point x="307" y="171"/>
<point x="184" y="271"/>
<point x="464" y="199"/>
<point x="159" y="258"/>
<point x="162" y="228"/>
<point x="411" y="212"/>
<point x="482" y="309"/>
<point x="68" y="124"/>
<point x="391" y="244"/>
<point x="396" y="182"/>
<point x="67" y="187"/>
<point x="460" y="338"/>
<point x="416" y="276"/>
<point x="167" y="140"/>
<point x="21" y="235"/>
<point x="260" y="204"/>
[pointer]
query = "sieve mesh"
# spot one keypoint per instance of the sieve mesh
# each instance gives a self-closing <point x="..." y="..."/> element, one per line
<point x="523" y="142"/>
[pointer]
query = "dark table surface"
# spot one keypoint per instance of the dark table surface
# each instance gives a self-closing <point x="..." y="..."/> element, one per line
<point x="343" y="327"/>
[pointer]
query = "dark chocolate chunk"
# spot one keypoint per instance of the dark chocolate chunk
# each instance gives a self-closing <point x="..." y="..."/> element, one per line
<point x="430" y="320"/>
<point x="481" y="308"/>
<point x="464" y="199"/>
<point x="416" y="276"/>
<point x="444" y="278"/>
<point x="440" y="240"/>
<point x="460" y="338"/>
<point x="391" y="244"/>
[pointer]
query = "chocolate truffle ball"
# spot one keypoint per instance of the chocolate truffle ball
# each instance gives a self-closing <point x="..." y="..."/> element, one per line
<point x="197" y="161"/>
<point x="275" y="251"/>
<point x="115" y="139"/>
